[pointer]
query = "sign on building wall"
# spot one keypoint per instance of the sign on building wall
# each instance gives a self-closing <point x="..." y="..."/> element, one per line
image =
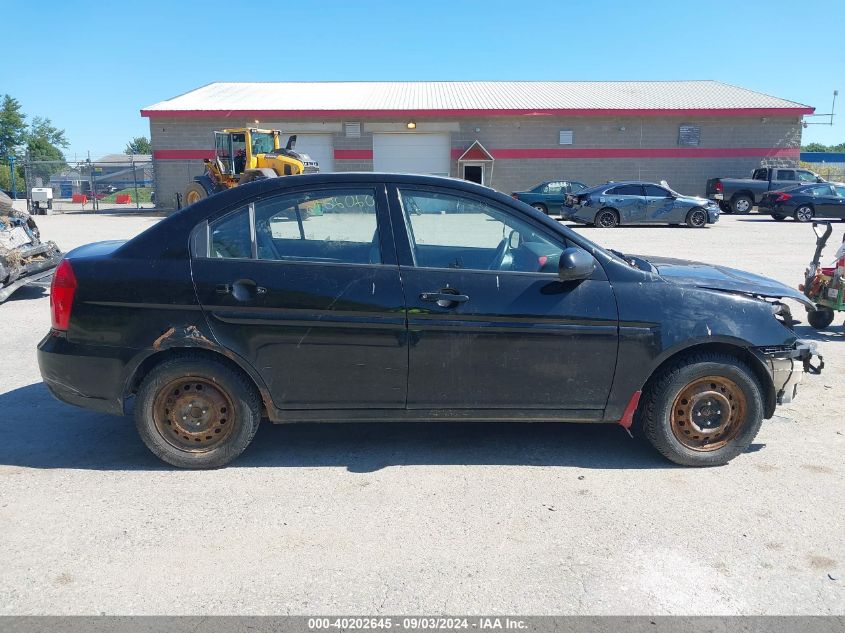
<point x="689" y="135"/>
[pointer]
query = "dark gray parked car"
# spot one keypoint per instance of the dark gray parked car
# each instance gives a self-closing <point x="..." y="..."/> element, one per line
<point x="634" y="202"/>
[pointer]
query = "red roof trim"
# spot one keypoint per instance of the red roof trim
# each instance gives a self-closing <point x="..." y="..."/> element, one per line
<point x="636" y="152"/>
<point x="353" y="154"/>
<point x="439" y="114"/>
<point x="182" y="154"/>
<point x="476" y="151"/>
<point x="519" y="153"/>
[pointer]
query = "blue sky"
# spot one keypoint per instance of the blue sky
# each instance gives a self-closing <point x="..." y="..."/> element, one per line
<point x="91" y="66"/>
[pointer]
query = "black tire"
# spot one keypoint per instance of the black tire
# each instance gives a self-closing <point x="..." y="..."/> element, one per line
<point x="741" y="205"/>
<point x="820" y="318"/>
<point x="725" y="207"/>
<point x="777" y="217"/>
<point x="164" y="438"/>
<point x="656" y="413"/>
<point x="804" y="213"/>
<point x="697" y="218"/>
<point x="540" y="207"/>
<point x="194" y="192"/>
<point x="607" y="219"/>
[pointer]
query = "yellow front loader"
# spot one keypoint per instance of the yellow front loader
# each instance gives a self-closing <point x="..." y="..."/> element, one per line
<point x="242" y="155"/>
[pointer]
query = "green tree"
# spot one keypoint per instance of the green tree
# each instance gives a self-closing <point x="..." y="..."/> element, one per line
<point x="6" y="179"/>
<point x="139" y="145"/>
<point x="45" y="143"/>
<point x="818" y="147"/>
<point x="12" y="126"/>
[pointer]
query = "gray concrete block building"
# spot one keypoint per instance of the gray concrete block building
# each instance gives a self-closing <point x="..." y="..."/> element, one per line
<point x="507" y="135"/>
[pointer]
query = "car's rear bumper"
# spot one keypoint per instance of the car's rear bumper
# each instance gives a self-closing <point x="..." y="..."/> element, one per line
<point x="86" y="376"/>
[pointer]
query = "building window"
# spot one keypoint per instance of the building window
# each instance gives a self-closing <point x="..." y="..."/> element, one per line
<point x="565" y="137"/>
<point x="689" y="135"/>
<point x="352" y="130"/>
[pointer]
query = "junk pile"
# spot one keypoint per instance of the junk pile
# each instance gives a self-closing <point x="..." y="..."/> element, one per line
<point x="24" y="258"/>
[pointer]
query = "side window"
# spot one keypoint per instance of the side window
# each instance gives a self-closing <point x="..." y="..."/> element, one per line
<point x="337" y="225"/>
<point x="626" y="190"/>
<point x="577" y="186"/>
<point x="821" y="190"/>
<point x="840" y="191"/>
<point x="655" y="192"/>
<point x="786" y="174"/>
<point x="759" y="174"/>
<point x="449" y="231"/>
<point x="806" y="176"/>
<point x="556" y="188"/>
<point x="230" y="236"/>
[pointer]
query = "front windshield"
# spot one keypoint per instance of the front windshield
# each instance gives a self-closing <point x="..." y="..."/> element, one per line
<point x="262" y="143"/>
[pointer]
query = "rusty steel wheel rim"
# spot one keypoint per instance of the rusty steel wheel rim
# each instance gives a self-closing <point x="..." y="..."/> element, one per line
<point x="193" y="414"/>
<point x="192" y="197"/>
<point x="708" y="413"/>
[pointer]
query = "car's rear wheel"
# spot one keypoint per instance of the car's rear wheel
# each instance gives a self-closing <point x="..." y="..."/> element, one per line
<point x="820" y="318"/>
<point x="607" y="219"/>
<point x="540" y="207"/>
<point x="703" y="410"/>
<point x="742" y="204"/>
<point x="195" y="412"/>
<point x="804" y="213"/>
<point x="778" y="217"/>
<point x="697" y="218"/>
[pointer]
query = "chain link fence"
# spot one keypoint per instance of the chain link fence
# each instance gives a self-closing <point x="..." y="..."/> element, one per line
<point x="117" y="182"/>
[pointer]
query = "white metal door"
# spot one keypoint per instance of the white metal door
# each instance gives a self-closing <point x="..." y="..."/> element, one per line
<point x="412" y="153"/>
<point x="320" y="147"/>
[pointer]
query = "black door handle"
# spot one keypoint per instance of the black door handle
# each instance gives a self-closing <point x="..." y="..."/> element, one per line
<point x="242" y="289"/>
<point x="445" y="298"/>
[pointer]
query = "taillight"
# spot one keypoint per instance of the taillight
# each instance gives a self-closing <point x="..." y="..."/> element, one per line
<point x="62" y="291"/>
<point x="720" y="188"/>
<point x="783" y="197"/>
<point x="514" y="196"/>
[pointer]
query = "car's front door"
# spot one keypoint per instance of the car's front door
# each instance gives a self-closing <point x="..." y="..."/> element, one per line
<point x="660" y="205"/>
<point x="491" y="326"/>
<point x="305" y="286"/>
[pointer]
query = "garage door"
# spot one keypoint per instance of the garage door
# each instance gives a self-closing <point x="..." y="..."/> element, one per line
<point x="412" y="153"/>
<point x="320" y="147"/>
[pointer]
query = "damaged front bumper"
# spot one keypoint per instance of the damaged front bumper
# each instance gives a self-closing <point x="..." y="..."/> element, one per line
<point x="788" y="365"/>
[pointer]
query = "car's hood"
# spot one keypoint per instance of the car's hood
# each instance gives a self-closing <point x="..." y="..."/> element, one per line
<point x="700" y="275"/>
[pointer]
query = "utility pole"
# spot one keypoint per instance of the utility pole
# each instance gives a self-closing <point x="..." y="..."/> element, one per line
<point x="12" y="173"/>
<point x="134" y="180"/>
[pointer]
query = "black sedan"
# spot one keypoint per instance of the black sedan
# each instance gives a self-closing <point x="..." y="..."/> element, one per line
<point x="806" y="202"/>
<point x="327" y="297"/>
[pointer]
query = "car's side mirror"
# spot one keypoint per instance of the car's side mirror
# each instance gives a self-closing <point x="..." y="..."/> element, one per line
<point x="575" y="264"/>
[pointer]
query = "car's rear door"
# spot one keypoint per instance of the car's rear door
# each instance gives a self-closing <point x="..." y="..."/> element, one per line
<point x="839" y="204"/>
<point x="628" y="200"/>
<point x="825" y="201"/>
<point x="491" y="326"/>
<point x="555" y="195"/>
<point x="305" y="286"/>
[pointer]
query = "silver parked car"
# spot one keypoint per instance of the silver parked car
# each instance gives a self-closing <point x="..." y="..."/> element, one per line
<point x="634" y="202"/>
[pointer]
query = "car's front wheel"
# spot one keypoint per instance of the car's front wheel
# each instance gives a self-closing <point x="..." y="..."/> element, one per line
<point x="697" y="218"/>
<point x="194" y="412"/>
<point x="540" y="207"/>
<point x="702" y="410"/>
<point x="820" y="318"/>
<point x="777" y="217"/>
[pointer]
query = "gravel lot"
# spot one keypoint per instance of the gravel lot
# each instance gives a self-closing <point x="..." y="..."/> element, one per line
<point x="424" y="518"/>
